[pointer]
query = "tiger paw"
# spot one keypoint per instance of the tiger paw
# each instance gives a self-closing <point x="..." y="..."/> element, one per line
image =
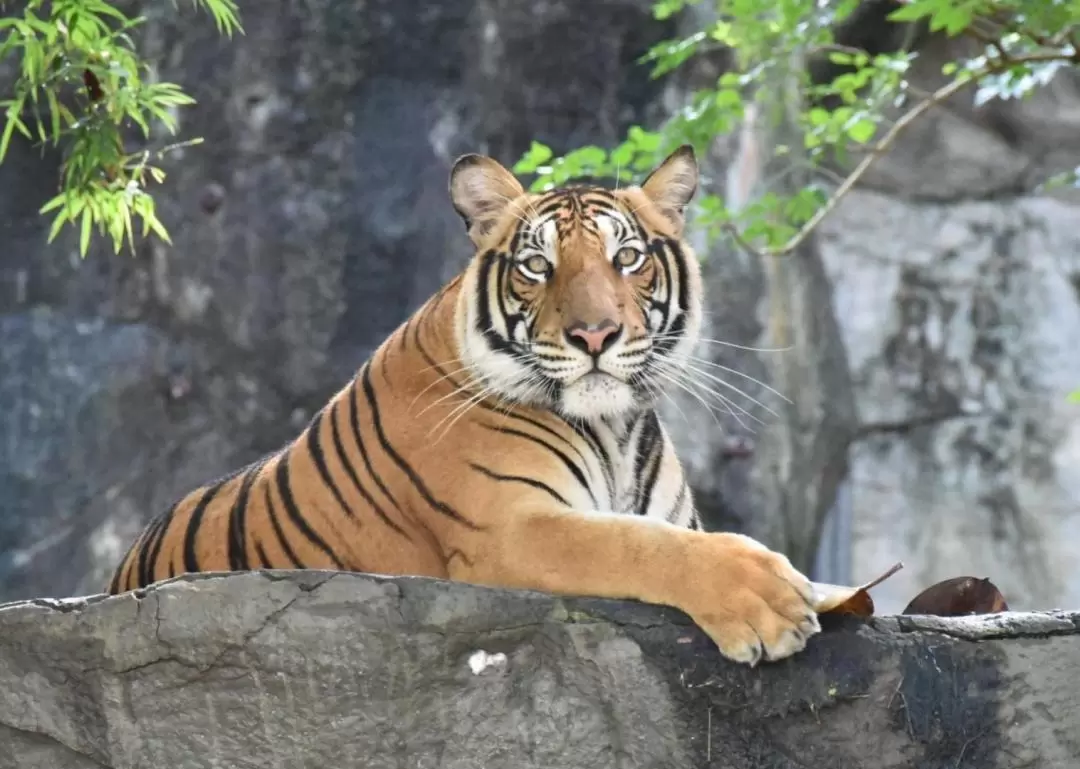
<point x="751" y="601"/>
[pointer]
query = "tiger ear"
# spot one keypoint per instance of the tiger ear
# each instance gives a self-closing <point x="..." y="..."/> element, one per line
<point x="671" y="185"/>
<point x="480" y="189"/>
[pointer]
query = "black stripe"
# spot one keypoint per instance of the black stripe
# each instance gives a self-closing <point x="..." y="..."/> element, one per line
<point x="433" y="306"/>
<point x="573" y="468"/>
<point x="124" y="567"/>
<point x="354" y="424"/>
<point x="317" y="456"/>
<point x="445" y="290"/>
<point x="297" y="518"/>
<point x="430" y="360"/>
<point x="156" y="552"/>
<point x="644" y="443"/>
<point x="264" y="562"/>
<point x="602" y="200"/>
<point x="557" y="201"/>
<point x="276" y="524"/>
<point x="483" y="404"/>
<point x="512" y="320"/>
<point x="114" y="584"/>
<point x="667" y="343"/>
<point x="238" y="560"/>
<point x="647" y="442"/>
<point x="418" y="483"/>
<point x="679" y="500"/>
<point x="339" y="447"/>
<point x="650" y="482"/>
<point x="191" y="560"/>
<point x="405" y="331"/>
<point x="541" y="426"/>
<point x="586" y="431"/>
<point x="485" y="325"/>
<point x="680" y="264"/>
<point x="144" y="544"/>
<point x="675" y="327"/>
<point x="521" y="479"/>
<point x="515" y="241"/>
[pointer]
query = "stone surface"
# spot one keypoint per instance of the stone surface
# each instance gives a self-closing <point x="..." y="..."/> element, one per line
<point x="962" y="344"/>
<point x="930" y="327"/>
<point x="318" y="669"/>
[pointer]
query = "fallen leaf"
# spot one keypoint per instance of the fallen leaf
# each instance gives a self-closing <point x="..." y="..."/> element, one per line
<point x="958" y="596"/>
<point x="840" y="599"/>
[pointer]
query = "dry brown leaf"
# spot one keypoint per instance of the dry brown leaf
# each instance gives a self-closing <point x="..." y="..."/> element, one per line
<point x="958" y="596"/>
<point x="839" y="599"/>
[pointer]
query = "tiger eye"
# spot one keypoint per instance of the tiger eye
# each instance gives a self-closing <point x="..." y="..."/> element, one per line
<point x="536" y="264"/>
<point x="628" y="258"/>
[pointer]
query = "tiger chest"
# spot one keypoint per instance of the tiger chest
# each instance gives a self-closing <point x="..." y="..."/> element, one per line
<point x="620" y="462"/>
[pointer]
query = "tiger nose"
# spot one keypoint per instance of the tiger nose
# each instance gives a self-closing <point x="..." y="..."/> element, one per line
<point x="593" y="338"/>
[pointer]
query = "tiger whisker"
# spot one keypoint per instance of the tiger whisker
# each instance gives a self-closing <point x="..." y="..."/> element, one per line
<point x="444" y="378"/>
<point x="459" y="411"/>
<point x="456" y="391"/>
<point x="720" y="381"/>
<point x="654" y="390"/>
<point x="440" y="364"/>
<point x="736" y="372"/>
<point x="731" y="406"/>
<point x="704" y="340"/>
<point x="675" y="381"/>
<point x="520" y="213"/>
<point x="694" y="376"/>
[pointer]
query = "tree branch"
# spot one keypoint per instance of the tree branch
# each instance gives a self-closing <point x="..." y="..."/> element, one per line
<point x="886" y="142"/>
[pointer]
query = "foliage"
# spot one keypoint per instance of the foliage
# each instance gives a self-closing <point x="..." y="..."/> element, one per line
<point x="81" y="86"/>
<point x="858" y="112"/>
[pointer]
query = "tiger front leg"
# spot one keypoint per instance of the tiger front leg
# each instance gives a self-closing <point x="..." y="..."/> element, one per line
<point x="750" y="600"/>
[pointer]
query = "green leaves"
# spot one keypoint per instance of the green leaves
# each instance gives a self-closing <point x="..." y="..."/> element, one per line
<point x="81" y="86"/>
<point x="943" y="15"/>
<point x="639" y="153"/>
<point x="856" y="105"/>
<point x="537" y="155"/>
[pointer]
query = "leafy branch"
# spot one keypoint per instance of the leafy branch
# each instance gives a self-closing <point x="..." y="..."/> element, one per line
<point x="81" y="86"/>
<point x="1023" y="46"/>
<point x="880" y="147"/>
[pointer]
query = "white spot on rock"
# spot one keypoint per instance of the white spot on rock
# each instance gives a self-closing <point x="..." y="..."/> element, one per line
<point x="479" y="661"/>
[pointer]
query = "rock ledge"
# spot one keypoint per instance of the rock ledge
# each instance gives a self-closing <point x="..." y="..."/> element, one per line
<point x="321" y="669"/>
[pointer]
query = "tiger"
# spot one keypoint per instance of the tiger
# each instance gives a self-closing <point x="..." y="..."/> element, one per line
<point x="506" y="434"/>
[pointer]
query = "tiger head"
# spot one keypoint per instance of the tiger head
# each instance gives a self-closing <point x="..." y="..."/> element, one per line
<point x="582" y="300"/>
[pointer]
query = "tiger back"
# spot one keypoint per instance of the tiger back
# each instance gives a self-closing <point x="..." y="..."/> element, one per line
<point x="506" y="433"/>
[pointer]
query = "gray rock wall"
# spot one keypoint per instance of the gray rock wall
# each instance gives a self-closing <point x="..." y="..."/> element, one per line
<point x="320" y="670"/>
<point x="963" y="343"/>
<point x="956" y="287"/>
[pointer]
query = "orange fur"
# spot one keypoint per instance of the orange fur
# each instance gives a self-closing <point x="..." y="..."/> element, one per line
<point x="460" y="451"/>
